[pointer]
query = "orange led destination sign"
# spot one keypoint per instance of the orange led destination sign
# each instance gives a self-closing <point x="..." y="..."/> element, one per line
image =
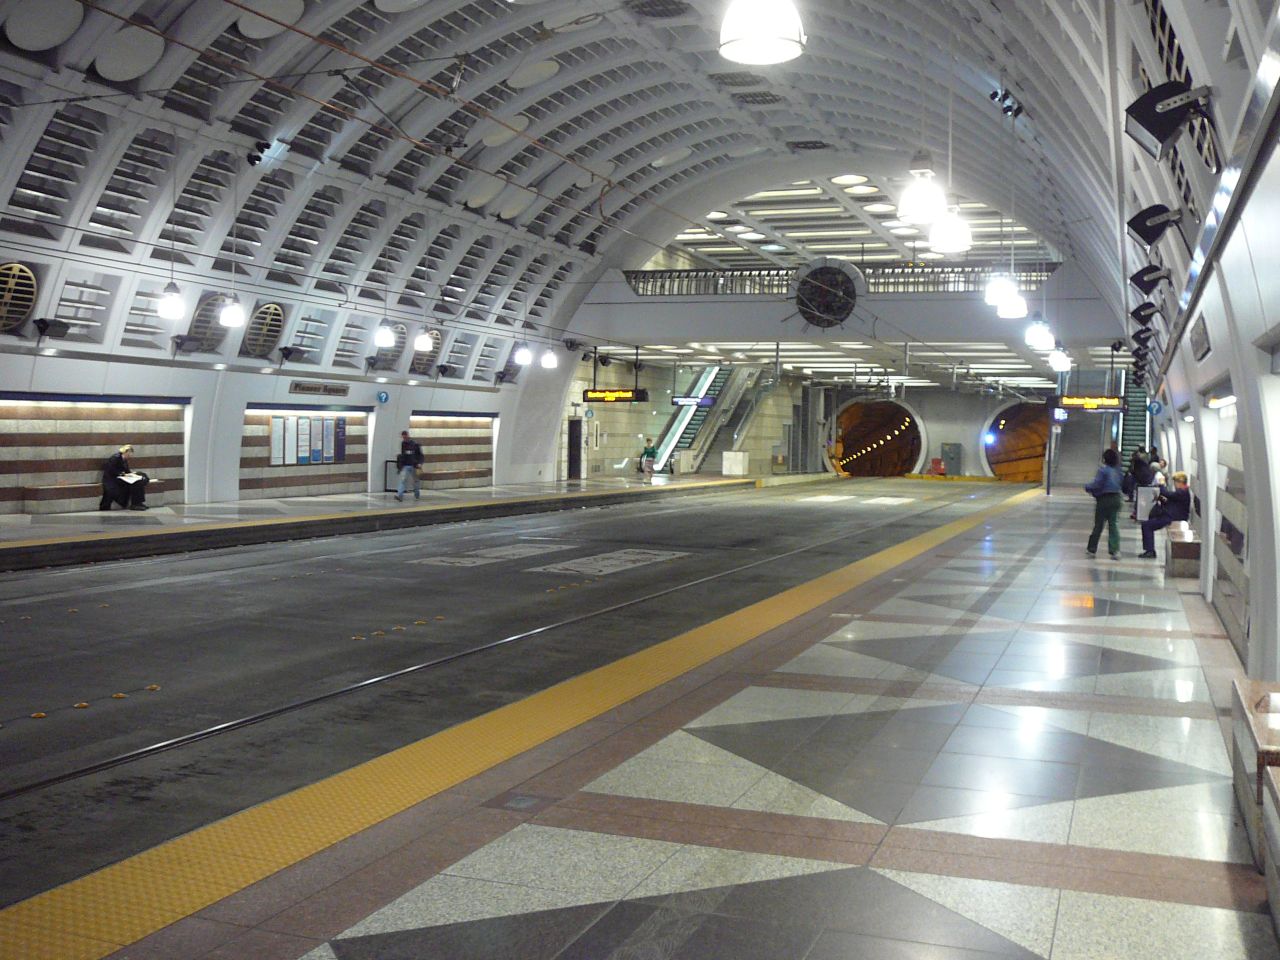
<point x="1092" y="404"/>
<point x="615" y="396"/>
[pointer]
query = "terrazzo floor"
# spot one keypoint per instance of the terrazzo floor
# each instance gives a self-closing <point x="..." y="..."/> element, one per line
<point x="1002" y="750"/>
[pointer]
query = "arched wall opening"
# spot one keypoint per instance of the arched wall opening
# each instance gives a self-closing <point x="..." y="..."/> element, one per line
<point x="878" y="439"/>
<point x="1018" y="437"/>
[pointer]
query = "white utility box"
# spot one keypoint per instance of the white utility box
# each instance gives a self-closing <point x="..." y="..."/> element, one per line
<point x="734" y="463"/>
<point x="684" y="462"/>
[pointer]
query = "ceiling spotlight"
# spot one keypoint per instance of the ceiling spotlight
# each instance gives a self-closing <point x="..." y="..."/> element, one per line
<point x="232" y="313"/>
<point x="549" y="360"/>
<point x="1143" y="313"/>
<point x="185" y="343"/>
<point x="288" y="354"/>
<point x="443" y="370"/>
<point x="523" y="355"/>
<point x="255" y="156"/>
<point x="54" y="329"/>
<point x="1156" y="119"/>
<point x="761" y="32"/>
<point x="605" y="361"/>
<point x="1148" y="278"/>
<point x="384" y="337"/>
<point x="1142" y="336"/>
<point x="1149" y="225"/>
<point x="171" y="306"/>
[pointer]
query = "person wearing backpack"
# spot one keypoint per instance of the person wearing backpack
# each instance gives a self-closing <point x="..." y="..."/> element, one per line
<point x="408" y="461"/>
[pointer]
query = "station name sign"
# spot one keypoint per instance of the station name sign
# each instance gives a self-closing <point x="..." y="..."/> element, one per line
<point x="615" y="396"/>
<point x="313" y="389"/>
<point x="693" y="401"/>
<point x="1092" y="404"/>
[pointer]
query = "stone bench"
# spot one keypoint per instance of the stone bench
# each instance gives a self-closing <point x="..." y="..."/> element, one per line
<point x="1255" y="747"/>
<point x="77" y="497"/>
<point x="1181" y="551"/>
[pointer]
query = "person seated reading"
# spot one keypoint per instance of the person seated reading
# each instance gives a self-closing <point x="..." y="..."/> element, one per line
<point x="120" y="484"/>
<point x="1170" y="507"/>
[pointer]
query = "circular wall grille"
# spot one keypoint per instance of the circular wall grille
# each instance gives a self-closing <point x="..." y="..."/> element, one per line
<point x="263" y="332"/>
<point x="826" y="293"/>
<point x="757" y="97"/>
<point x="18" y="290"/>
<point x="388" y="357"/>
<point x="205" y="325"/>
<point x="659" y="9"/>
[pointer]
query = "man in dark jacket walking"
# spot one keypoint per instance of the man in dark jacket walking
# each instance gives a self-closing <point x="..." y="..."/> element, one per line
<point x="408" y="461"/>
<point x="1171" y="506"/>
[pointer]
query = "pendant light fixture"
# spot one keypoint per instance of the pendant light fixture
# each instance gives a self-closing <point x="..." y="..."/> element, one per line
<point x="232" y="314"/>
<point x="923" y="201"/>
<point x="760" y="32"/>
<point x="549" y="360"/>
<point x="1039" y="337"/>
<point x="171" y="305"/>
<point x="384" y="337"/>
<point x="1012" y="305"/>
<point x="1059" y="360"/>
<point x="523" y="355"/>
<point x="424" y="342"/>
<point x="950" y="233"/>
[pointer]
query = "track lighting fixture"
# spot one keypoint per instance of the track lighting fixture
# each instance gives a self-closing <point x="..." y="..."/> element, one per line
<point x="1157" y="119"/>
<point x="1148" y="278"/>
<point x="1147" y="226"/>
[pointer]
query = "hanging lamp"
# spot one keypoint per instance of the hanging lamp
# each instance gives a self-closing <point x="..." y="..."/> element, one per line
<point x="384" y="337"/>
<point x="232" y="314"/>
<point x="172" y="305"/>
<point x="760" y="32"/>
<point x="951" y="233"/>
<point x="923" y="200"/>
<point x="1039" y="337"/>
<point x="523" y="355"/>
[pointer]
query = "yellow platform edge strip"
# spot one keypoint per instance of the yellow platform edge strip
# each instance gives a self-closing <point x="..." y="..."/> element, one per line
<point x="318" y="518"/>
<point x="93" y="916"/>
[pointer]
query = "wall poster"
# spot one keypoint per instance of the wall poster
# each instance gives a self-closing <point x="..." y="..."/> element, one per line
<point x="277" y="441"/>
<point x="304" y="440"/>
<point x="340" y="440"/>
<point x="317" y="439"/>
<point x="328" y="439"/>
<point x="290" y="441"/>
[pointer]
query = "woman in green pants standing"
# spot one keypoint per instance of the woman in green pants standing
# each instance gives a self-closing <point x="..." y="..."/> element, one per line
<point x="1107" y="498"/>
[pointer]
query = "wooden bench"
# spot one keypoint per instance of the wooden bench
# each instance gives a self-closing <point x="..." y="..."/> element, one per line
<point x="77" y="497"/>
<point x="1181" y="551"/>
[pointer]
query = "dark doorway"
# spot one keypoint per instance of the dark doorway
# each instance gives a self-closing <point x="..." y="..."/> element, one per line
<point x="575" y="449"/>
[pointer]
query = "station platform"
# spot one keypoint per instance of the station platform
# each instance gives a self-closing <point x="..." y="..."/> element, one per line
<point x="35" y="540"/>
<point x="972" y="741"/>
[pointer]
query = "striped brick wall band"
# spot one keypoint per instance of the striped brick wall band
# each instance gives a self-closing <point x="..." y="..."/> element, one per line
<point x="458" y="450"/>
<point x="259" y="479"/>
<point x="54" y="452"/>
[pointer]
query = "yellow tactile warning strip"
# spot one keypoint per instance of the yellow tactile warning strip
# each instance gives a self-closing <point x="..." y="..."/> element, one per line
<point x="113" y="907"/>
<point x="319" y="518"/>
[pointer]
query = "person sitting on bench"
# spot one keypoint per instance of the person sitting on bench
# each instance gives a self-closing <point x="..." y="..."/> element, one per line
<point x="1171" y="506"/>
<point x="122" y="485"/>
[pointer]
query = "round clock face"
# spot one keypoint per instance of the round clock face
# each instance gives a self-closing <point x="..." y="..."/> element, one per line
<point x="383" y="396"/>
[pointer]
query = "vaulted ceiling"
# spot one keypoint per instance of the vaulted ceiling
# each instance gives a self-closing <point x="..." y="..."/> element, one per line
<point x="478" y="158"/>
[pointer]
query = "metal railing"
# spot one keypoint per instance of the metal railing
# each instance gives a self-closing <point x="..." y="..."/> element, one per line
<point x="881" y="279"/>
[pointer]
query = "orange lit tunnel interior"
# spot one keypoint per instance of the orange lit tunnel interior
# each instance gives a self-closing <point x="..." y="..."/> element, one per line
<point x="878" y="439"/>
<point x="1019" y="436"/>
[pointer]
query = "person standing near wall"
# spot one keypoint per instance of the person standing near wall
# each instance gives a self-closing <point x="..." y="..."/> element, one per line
<point x="408" y="461"/>
<point x="120" y="484"/>
<point x="648" y="457"/>
<point x="1107" y="499"/>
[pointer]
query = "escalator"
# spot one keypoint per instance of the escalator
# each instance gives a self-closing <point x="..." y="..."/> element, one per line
<point x="700" y="414"/>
